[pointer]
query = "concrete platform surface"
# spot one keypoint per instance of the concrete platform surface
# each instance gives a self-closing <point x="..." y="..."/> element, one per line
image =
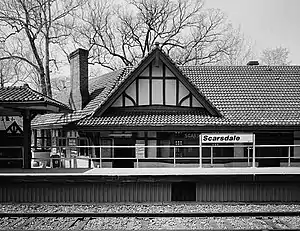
<point x="150" y="171"/>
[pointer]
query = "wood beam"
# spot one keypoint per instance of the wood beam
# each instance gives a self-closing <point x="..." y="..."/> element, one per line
<point x="4" y="111"/>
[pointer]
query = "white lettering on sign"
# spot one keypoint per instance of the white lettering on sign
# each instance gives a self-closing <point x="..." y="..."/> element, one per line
<point x="227" y="138"/>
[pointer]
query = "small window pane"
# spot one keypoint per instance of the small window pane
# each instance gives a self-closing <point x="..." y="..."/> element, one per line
<point x="157" y="92"/>
<point x="169" y="73"/>
<point x="144" y="92"/>
<point x="145" y="73"/>
<point x="171" y="92"/>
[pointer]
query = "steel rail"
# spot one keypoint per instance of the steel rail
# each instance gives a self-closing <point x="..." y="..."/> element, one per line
<point x="184" y="214"/>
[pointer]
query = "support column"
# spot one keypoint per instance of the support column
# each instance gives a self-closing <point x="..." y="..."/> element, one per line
<point x="27" y="139"/>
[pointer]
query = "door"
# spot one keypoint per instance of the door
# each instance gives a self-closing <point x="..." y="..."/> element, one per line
<point x="124" y="153"/>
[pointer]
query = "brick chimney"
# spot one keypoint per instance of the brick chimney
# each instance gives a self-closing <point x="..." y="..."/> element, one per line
<point x="79" y="95"/>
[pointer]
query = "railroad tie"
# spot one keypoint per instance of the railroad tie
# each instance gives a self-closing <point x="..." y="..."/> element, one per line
<point x="270" y="223"/>
<point x="83" y="222"/>
<point x="23" y="225"/>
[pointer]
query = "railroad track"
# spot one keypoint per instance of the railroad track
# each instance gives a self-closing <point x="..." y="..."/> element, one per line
<point x="145" y="221"/>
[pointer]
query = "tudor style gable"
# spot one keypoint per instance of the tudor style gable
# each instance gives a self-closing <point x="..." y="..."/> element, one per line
<point x="156" y="82"/>
<point x="156" y="86"/>
<point x="14" y="129"/>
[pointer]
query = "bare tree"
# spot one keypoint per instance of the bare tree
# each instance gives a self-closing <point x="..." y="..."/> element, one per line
<point x="239" y="54"/>
<point x="189" y="33"/>
<point x="30" y="30"/>
<point x="275" y="56"/>
<point x="13" y="72"/>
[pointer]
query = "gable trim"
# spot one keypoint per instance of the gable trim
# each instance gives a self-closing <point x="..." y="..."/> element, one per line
<point x="132" y="76"/>
<point x="198" y="95"/>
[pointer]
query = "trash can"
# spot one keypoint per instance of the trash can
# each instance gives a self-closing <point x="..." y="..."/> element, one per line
<point x="56" y="162"/>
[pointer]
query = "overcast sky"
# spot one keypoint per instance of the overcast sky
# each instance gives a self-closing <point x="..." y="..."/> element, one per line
<point x="267" y="23"/>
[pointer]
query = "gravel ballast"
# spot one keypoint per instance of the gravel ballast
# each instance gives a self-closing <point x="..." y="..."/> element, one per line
<point x="140" y="223"/>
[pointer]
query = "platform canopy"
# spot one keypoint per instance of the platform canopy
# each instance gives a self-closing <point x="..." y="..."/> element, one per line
<point x="26" y="102"/>
<point x="15" y="100"/>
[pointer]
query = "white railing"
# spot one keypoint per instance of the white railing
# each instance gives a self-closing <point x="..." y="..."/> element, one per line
<point x="171" y="156"/>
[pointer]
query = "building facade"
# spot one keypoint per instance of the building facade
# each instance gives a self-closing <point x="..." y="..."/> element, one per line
<point x="159" y="114"/>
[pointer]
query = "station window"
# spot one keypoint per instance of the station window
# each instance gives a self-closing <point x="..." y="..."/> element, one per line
<point x="106" y="152"/>
<point x="164" y="151"/>
<point x="43" y="139"/>
<point x="179" y="151"/>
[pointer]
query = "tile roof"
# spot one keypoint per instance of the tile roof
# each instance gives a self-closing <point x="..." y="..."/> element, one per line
<point x="153" y="118"/>
<point x="245" y="96"/>
<point x="251" y="95"/>
<point x="56" y="119"/>
<point x="99" y="89"/>
<point x="24" y="94"/>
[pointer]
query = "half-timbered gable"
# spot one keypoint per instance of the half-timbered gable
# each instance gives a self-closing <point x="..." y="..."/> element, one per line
<point x="157" y="86"/>
<point x="156" y="83"/>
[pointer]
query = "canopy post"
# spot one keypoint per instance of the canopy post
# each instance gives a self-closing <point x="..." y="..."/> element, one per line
<point x="27" y="139"/>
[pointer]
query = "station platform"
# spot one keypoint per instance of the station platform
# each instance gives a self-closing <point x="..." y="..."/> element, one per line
<point x="118" y="172"/>
<point x="110" y="185"/>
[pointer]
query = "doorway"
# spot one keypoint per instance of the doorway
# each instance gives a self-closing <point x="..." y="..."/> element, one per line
<point x="183" y="191"/>
<point x="124" y="153"/>
<point x="273" y="156"/>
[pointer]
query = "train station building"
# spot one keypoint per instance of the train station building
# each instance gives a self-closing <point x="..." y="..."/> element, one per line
<point x="159" y="114"/>
<point x="156" y="132"/>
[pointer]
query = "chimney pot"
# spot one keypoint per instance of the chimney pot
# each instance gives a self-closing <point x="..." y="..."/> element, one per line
<point x="253" y="63"/>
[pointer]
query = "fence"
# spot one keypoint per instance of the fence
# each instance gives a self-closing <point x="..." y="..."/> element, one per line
<point x="140" y="156"/>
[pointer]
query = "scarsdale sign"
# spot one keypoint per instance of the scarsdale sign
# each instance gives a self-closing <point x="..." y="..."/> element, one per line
<point x="227" y="138"/>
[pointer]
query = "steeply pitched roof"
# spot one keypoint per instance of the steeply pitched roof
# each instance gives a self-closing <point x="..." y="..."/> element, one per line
<point x="101" y="88"/>
<point x="24" y="96"/>
<point x="247" y="96"/>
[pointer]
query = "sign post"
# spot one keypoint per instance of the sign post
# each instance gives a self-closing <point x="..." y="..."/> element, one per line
<point x="253" y="152"/>
<point x="200" y="151"/>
